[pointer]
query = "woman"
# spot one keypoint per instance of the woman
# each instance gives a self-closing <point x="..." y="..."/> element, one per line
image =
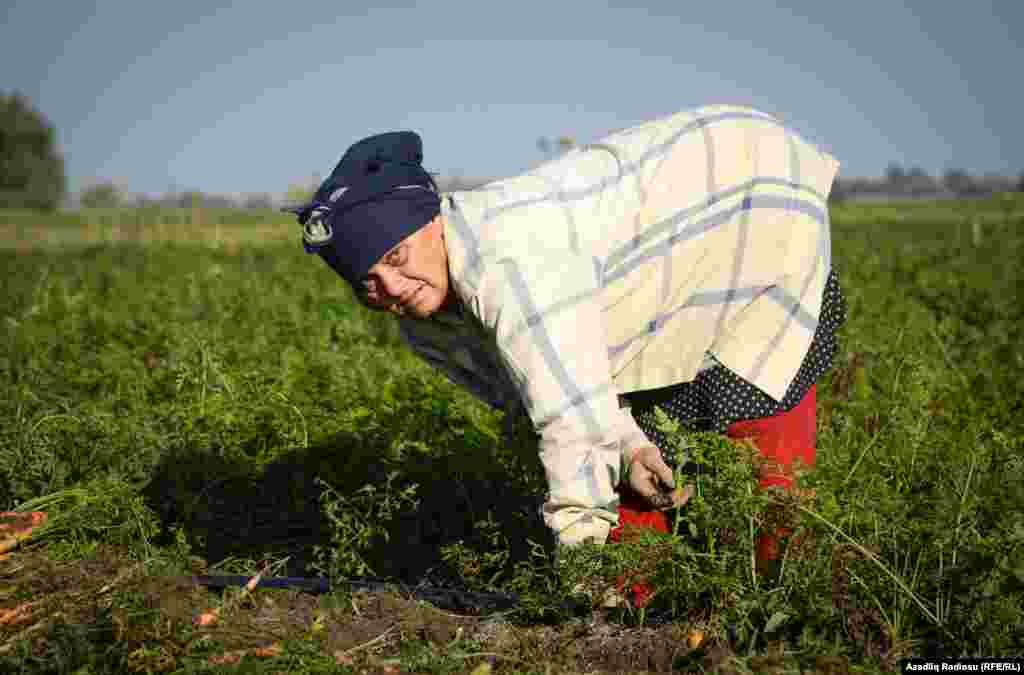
<point x="683" y="263"/>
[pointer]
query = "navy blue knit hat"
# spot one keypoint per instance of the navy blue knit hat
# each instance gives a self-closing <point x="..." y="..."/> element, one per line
<point x="377" y="195"/>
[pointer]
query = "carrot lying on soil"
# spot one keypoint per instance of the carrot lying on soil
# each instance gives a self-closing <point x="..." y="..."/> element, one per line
<point x="266" y="651"/>
<point x="23" y="613"/>
<point x="17" y="527"/>
<point x="212" y="615"/>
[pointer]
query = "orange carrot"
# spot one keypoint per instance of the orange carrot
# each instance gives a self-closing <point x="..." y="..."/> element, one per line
<point x="16" y="615"/>
<point x="212" y="615"/>
<point x="17" y="527"/>
<point x="233" y="657"/>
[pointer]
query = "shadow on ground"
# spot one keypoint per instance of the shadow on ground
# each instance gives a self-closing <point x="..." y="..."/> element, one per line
<point x="109" y="613"/>
<point x="228" y="508"/>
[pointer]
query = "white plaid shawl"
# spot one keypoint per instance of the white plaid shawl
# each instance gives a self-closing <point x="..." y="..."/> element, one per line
<point x="617" y="267"/>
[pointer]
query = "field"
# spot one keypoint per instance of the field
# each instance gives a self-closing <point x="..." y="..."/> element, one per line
<point x="189" y="393"/>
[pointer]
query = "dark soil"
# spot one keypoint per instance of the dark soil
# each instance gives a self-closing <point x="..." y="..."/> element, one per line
<point x="148" y="623"/>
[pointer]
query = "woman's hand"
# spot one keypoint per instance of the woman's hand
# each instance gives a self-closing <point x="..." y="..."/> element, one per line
<point x="652" y="479"/>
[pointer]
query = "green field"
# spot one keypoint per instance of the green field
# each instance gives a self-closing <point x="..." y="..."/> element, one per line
<point x="221" y="406"/>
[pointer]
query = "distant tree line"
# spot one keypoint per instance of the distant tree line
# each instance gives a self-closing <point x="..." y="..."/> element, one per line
<point x="107" y="194"/>
<point x="32" y="176"/>
<point x="206" y="200"/>
<point x="915" y="183"/>
<point x="897" y="183"/>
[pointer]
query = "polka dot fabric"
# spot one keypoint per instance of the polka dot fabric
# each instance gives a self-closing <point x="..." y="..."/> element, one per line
<point x="717" y="397"/>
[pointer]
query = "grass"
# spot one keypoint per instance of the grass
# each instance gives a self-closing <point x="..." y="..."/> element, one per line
<point x="145" y="215"/>
<point x="234" y="406"/>
<point x="24" y="230"/>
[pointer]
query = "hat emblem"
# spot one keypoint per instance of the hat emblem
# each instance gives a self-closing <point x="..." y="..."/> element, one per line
<point x="316" y="231"/>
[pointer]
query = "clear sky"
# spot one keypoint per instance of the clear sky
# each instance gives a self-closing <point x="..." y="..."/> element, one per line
<point x="251" y="96"/>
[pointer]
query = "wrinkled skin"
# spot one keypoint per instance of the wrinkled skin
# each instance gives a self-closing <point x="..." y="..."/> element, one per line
<point x="412" y="278"/>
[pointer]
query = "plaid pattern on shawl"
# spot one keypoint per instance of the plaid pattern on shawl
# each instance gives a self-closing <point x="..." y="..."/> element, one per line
<point x="618" y="267"/>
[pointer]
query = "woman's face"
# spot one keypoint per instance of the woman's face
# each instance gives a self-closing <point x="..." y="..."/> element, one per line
<point x="412" y="278"/>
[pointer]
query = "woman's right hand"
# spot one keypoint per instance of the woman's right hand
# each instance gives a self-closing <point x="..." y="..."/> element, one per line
<point x="651" y="478"/>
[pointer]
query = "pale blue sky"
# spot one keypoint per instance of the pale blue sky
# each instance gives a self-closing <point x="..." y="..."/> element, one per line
<point x="252" y="96"/>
